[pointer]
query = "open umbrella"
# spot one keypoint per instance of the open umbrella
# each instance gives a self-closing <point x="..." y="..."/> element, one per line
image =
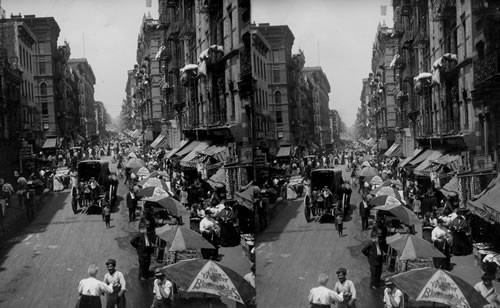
<point x="438" y="286"/>
<point x="411" y="247"/>
<point x="365" y="164"/>
<point x="173" y="206"/>
<point x="368" y="172"/>
<point x="386" y="191"/>
<point x="159" y="173"/>
<point x="392" y="182"/>
<point x="401" y="212"/>
<point x="132" y="155"/>
<point x="376" y="180"/>
<point x="141" y="171"/>
<point x="180" y="238"/>
<point x="207" y="276"/>
<point x="152" y="192"/>
<point x="153" y="182"/>
<point x="135" y="163"/>
<point x="384" y="201"/>
<point x="366" y="158"/>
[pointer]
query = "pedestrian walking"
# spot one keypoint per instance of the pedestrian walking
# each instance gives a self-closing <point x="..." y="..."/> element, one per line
<point x="90" y="289"/>
<point x="364" y="212"/>
<point x="374" y="252"/>
<point x="131" y="204"/>
<point x="184" y="197"/>
<point x="116" y="281"/>
<point x="144" y="249"/>
<point x="393" y="297"/>
<point x="29" y="203"/>
<point x="339" y="222"/>
<point x="106" y="212"/>
<point x="7" y="191"/>
<point x="346" y="288"/>
<point x="323" y="297"/>
<point x="163" y="291"/>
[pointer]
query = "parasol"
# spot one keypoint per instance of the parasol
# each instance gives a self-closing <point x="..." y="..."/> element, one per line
<point x="153" y="182"/>
<point x="411" y="247"/>
<point x="376" y="180"/>
<point x="384" y="201"/>
<point x="135" y="163"/>
<point x="438" y="286"/>
<point x="152" y="192"/>
<point x="386" y="191"/>
<point x="401" y="212"/>
<point x="173" y="206"/>
<point x="207" y="276"/>
<point x="180" y="238"/>
<point x="141" y="171"/>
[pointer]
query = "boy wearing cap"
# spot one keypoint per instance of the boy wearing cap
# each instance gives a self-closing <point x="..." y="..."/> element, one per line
<point x="115" y="280"/>
<point x="163" y="291"/>
<point x="393" y="297"/>
<point x="346" y="288"/>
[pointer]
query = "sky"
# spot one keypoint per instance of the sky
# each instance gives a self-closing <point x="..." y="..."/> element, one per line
<point x="337" y="35"/>
<point x="103" y="31"/>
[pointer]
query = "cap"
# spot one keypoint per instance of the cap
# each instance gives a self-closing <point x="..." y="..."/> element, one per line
<point x="111" y="261"/>
<point x="342" y="270"/>
<point x="158" y="272"/>
<point x="388" y="282"/>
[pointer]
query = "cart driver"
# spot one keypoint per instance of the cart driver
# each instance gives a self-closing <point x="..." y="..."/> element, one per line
<point x="94" y="189"/>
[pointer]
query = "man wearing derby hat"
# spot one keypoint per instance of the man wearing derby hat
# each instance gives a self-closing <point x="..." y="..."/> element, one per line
<point x="163" y="291"/>
<point x="346" y="288"/>
<point x="393" y="297"/>
<point x="115" y="280"/>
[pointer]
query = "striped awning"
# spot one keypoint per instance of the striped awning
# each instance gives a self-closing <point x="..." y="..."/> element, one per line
<point x="420" y="169"/>
<point x="393" y="150"/>
<point x="202" y="145"/>
<point x="284" y="151"/>
<point x="408" y="159"/>
<point x="157" y="141"/>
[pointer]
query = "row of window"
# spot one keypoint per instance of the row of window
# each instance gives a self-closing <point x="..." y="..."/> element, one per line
<point x="26" y="58"/>
<point x="259" y="67"/>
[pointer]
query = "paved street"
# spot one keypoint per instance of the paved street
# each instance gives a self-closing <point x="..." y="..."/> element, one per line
<point x="58" y="246"/>
<point x="291" y="254"/>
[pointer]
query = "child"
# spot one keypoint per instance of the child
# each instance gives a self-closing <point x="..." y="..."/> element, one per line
<point x="339" y="222"/>
<point x="107" y="216"/>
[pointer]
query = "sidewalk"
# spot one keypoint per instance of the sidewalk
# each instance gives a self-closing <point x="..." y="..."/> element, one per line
<point x="15" y="217"/>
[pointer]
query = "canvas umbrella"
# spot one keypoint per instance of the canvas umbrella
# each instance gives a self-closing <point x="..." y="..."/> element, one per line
<point x="207" y="276"/>
<point x="376" y="180"/>
<point x="159" y="173"/>
<point x="386" y="191"/>
<point x="365" y="164"/>
<point x="384" y="201"/>
<point x="411" y="247"/>
<point x="141" y="171"/>
<point x="152" y="192"/>
<point x="393" y="182"/>
<point x="173" y="206"/>
<point x="180" y="238"/>
<point x="366" y="158"/>
<point x="401" y="212"/>
<point x="368" y="172"/>
<point x="438" y="286"/>
<point x="132" y="155"/>
<point x="153" y="182"/>
<point x="135" y="163"/>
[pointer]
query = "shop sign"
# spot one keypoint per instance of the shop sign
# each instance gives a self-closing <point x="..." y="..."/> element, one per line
<point x="26" y="151"/>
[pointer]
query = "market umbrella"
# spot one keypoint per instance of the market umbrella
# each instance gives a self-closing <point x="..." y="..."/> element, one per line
<point x="401" y="212"/>
<point x="141" y="171"/>
<point x="366" y="158"/>
<point x="152" y="192"/>
<point x="393" y="182"/>
<point x="384" y="201"/>
<point x="438" y="286"/>
<point x="207" y="276"/>
<point x="158" y="173"/>
<point x="153" y="182"/>
<point x="180" y="238"/>
<point x="376" y="180"/>
<point x="365" y="164"/>
<point x="368" y="172"/>
<point x="135" y="163"/>
<point x="386" y="191"/>
<point x="132" y="155"/>
<point x="411" y="247"/>
<point x="173" y="206"/>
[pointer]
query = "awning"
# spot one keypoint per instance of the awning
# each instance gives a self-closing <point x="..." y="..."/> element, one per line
<point x="218" y="152"/>
<point x="450" y="188"/>
<point x="157" y="141"/>
<point x="408" y="159"/>
<point x="163" y="144"/>
<point x="391" y="150"/>
<point x="218" y="179"/>
<point x="284" y="151"/>
<point x="488" y="200"/>
<point x="50" y="143"/>
<point x="420" y="158"/>
<point x="191" y="155"/>
<point x="187" y="148"/>
<point x="420" y="169"/>
<point x="175" y="150"/>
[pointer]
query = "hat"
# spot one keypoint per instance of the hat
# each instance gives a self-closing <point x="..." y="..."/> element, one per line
<point x="158" y="272"/>
<point x="388" y="282"/>
<point x="342" y="270"/>
<point x="111" y="261"/>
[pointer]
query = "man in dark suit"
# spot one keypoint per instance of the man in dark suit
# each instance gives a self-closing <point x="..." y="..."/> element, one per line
<point x="144" y="248"/>
<point x="364" y="211"/>
<point x="374" y="251"/>
<point x="131" y="204"/>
